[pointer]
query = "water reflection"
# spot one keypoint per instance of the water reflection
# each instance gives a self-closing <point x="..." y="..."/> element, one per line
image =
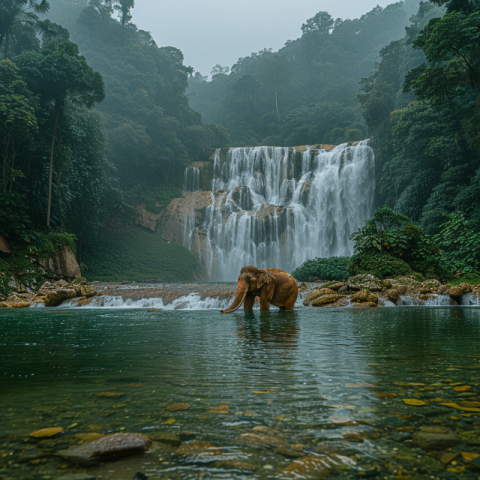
<point x="325" y="381"/>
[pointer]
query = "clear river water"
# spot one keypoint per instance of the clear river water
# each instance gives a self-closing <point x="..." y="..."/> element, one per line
<point x="303" y="394"/>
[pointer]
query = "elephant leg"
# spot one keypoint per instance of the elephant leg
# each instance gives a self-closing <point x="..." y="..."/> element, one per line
<point x="264" y="303"/>
<point x="248" y="302"/>
<point x="290" y="303"/>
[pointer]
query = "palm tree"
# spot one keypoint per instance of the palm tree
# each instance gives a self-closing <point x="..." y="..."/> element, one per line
<point x="19" y="12"/>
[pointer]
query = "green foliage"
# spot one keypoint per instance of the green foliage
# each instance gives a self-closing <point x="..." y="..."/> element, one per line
<point x="333" y="268"/>
<point x="390" y="245"/>
<point x="380" y="264"/>
<point x="304" y="93"/>
<point x="393" y="233"/>
<point x="156" y="198"/>
<point x="138" y="256"/>
<point x="426" y="139"/>
<point x="460" y="244"/>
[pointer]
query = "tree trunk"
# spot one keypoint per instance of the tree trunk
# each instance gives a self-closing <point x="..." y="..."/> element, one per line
<point x="5" y="160"/>
<point x="6" y="47"/>
<point x="276" y="103"/>
<point x="50" y="175"/>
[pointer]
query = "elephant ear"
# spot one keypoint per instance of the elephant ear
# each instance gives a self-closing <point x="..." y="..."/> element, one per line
<point x="265" y="278"/>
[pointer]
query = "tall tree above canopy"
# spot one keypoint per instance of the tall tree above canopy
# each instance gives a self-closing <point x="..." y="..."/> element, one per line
<point x="320" y="24"/>
<point x="61" y="76"/>
<point x="19" y="12"/>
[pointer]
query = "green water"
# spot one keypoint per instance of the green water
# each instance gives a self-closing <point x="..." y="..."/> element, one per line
<point x="312" y="381"/>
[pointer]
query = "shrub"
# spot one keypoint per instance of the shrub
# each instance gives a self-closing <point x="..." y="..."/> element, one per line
<point x="333" y="268"/>
<point x="460" y="244"/>
<point x="380" y="264"/>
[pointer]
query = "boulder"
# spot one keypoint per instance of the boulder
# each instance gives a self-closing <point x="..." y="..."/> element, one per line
<point x="459" y="290"/>
<point x="4" y="248"/>
<point x="336" y="286"/>
<point x="326" y="299"/>
<point x="109" y="446"/>
<point x="64" y="264"/>
<point x="54" y="293"/>
<point x="147" y="219"/>
<point x="434" y="438"/>
<point x="318" y="292"/>
<point x="364" y="296"/>
<point x="56" y="299"/>
<point x="21" y="305"/>
<point x="365" y="281"/>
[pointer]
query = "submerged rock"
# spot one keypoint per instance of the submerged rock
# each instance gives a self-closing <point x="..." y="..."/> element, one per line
<point x="77" y="476"/>
<point x="309" y="467"/>
<point x="117" y="444"/>
<point x="198" y="452"/>
<point x="434" y="438"/>
<point x="46" y="432"/>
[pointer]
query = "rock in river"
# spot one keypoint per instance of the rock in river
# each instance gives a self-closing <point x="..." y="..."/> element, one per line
<point x="117" y="444"/>
<point x="433" y="438"/>
<point x="308" y="467"/>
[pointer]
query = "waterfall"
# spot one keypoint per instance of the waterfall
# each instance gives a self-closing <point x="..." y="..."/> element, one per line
<point x="191" y="179"/>
<point x="276" y="207"/>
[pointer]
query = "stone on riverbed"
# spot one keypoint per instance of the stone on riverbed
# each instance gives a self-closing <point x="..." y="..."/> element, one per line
<point x="239" y="465"/>
<point x="77" y="476"/>
<point x="167" y="438"/>
<point x="46" y="432"/>
<point x="198" y="452"/>
<point x="117" y="444"/>
<point x="308" y="467"/>
<point x="434" y="438"/>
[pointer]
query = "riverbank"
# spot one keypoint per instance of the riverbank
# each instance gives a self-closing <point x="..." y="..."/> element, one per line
<point x="361" y="291"/>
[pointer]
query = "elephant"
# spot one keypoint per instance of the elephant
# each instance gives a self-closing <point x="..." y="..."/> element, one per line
<point x="272" y="285"/>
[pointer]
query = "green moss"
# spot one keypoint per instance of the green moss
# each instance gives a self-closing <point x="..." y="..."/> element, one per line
<point x="138" y="256"/>
<point x="332" y="268"/>
<point x="381" y="264"/>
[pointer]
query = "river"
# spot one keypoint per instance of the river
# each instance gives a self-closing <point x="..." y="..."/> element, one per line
<point x="271" y="391"/>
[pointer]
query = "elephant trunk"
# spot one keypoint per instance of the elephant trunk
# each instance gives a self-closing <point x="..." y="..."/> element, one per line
<point x="242" y="290"/>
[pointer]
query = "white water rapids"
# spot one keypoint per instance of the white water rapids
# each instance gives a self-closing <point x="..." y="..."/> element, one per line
<point x="276" y="207"/>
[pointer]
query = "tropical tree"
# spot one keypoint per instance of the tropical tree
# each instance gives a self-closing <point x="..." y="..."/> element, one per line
<point x="19" y="12"/>
<point x="18" y="123"/>
<point x="61" y="76"/>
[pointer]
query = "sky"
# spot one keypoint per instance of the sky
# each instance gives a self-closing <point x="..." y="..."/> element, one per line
<point x="211" y="32"/>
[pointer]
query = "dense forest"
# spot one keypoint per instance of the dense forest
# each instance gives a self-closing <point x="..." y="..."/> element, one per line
<point x="95" y="118"/>
<point x="87" y="135"/>
<point x="306" y="92"/>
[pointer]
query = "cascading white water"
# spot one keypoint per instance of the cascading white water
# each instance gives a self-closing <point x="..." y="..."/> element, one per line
<point x="275" y="207"/>
<point x="191" y="179"/>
